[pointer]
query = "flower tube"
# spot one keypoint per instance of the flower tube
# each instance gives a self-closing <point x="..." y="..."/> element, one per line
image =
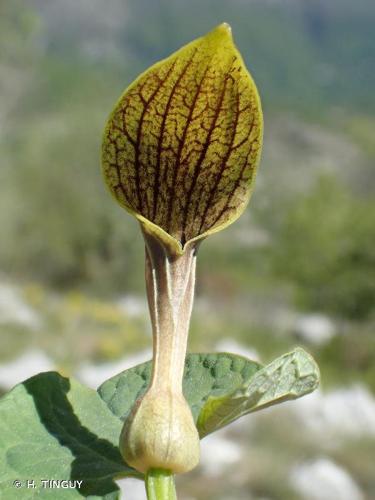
<point x="180" y="153"/>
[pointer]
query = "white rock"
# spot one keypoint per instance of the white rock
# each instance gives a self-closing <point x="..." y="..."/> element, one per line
<point x="345" y="412"/>
<point x="95" y="374"/>
<point x="13" y="309"/>
<point x="251" y="236"/>
<point x="234" y="347"/>
<point x="217" y="453"/>
<point x="132" y="489"/>
<point x="315" y="329"/>
<point x="133" y="306"/>
<point x="322" y="479"/>
<point x="28" y="364"/>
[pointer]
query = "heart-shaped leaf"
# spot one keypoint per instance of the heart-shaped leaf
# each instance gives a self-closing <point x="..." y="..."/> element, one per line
<point x="221" y="387"/>
<point x="205" y="375"/>
<point x="55" y="428"/>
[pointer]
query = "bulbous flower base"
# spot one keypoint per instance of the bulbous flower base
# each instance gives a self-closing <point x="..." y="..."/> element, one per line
<point x="160" y="433"/>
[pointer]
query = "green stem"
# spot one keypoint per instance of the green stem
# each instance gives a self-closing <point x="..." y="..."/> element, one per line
<point x="160" y="485"/>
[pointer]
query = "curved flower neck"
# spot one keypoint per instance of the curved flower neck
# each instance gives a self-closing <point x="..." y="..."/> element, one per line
<point x="170" y="282"/>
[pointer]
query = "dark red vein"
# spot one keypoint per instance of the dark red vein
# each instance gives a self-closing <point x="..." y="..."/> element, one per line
<point x="237" y="183"/>
<point x="223" y="165"/>
<point x="202" y="155"/>
<point x="139" y="135"/>
<point x="181" y="146"/>
<point x="161" y="134"/>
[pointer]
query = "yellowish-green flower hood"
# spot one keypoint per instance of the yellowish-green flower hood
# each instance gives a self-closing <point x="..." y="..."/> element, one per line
<point x="182" y="145"/>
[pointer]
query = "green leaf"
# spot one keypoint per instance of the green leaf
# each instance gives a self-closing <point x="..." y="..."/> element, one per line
<point x="288" y="377"/>
<point x="182" y="145"/>
<point x="205" y="374"/>
<point x="221" y="387"/>
<point x="55" y="428"/>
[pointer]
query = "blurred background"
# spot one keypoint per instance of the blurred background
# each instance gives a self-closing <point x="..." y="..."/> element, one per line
<point x="296" y="269"/>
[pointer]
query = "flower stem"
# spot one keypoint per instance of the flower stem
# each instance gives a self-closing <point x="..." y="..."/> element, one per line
<point x="160" y="485"/>
<point x="170" y="281"/>
<point x="160" y="432"/>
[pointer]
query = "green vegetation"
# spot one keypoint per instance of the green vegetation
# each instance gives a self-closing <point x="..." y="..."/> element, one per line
<point x="325" y="246"/>
<point x="77" y="429"/>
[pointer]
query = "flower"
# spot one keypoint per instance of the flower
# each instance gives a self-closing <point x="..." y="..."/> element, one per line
<point x="182" y="145"/>
<point x="180" y="153"/>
